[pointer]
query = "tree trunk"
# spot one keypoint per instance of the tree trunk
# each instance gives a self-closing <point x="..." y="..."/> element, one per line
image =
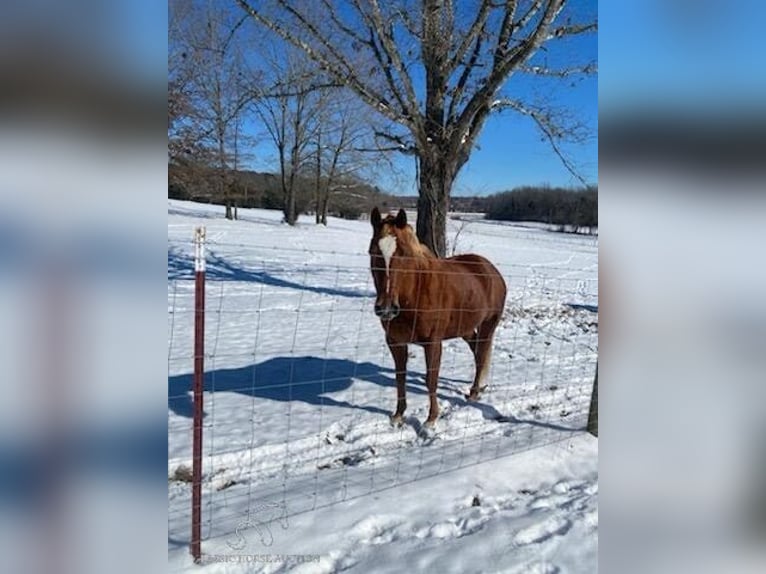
<point x="290" y="215"/>
<point x="225" y="193"/>
<point x="224" y="190"/>
<point x="325" y="203"/>
<point x="289" y="195"/>
<point x="227" y="201"/>
<point x="288" y="188"/>
<point x="436" y="180"/>
<point x="318" y="182"/>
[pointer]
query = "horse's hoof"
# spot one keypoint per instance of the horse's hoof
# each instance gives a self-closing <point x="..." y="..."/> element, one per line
<point x="397" y="420"/>
<point x="429" y="425"/>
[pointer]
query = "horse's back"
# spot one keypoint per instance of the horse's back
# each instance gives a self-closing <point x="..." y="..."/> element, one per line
<point x="484" y="275"/>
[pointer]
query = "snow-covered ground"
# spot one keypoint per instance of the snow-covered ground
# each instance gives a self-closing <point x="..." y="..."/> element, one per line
<point x="299" y="455"/>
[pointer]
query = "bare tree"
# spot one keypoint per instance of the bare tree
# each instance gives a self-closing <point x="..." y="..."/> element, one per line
<point x="289" y="112"/>
<point x="190" y="158"/>
<point x="342" y="139"/>
<point x="215" y="68"/>
<point x="183" y="140"/>
<point x="436" y="69"/>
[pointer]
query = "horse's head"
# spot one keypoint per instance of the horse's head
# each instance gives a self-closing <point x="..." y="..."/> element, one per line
<point x="393" y="249"/>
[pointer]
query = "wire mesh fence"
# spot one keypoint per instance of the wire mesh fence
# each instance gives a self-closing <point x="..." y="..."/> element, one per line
<point x="299" y="383"/>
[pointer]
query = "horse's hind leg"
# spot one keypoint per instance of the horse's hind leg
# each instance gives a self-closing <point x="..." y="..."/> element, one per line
<point x="482" y="351"/>
<point x="471" y="342"/>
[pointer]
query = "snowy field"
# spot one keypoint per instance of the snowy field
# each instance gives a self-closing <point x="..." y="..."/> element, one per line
<point x="302" y="470"/>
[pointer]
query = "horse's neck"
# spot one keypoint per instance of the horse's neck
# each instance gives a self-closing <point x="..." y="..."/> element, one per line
<point x="424" y="267"/>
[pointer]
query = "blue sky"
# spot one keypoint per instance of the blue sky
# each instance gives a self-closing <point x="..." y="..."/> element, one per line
<point x="510" y="151"/>
<point x="686" y="54"/>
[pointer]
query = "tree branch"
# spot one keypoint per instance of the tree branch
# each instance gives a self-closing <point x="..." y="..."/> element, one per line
<point x="341" y="26"/>
<point x="477" y="106"/>
<point x="288" y="89"/>
<point x="573" y="30"/>
<point x="401" y="144"/>
<point x="522" y="22"/>
<point x="550" y="126"/>
<point x="461" y="84"/>
<point x="475" y="30"/>
<point x="340" y="70"/>
<point x="392" y="52"/>
<point x="591" y="68"/>
<point x="505" y="30"/>
<point x="386" y="68"/>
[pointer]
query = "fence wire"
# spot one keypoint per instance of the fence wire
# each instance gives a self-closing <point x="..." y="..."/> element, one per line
<point x="299" y="383"/>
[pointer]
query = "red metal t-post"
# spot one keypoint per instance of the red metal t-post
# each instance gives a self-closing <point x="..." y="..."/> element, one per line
<point x="199" y="375"/>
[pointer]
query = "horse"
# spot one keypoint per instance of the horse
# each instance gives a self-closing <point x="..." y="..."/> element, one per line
<point x="424" y="300"/>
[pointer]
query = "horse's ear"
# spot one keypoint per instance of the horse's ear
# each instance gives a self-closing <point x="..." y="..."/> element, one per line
<point x="375" y="217"/>
<point x="401" y="219"/>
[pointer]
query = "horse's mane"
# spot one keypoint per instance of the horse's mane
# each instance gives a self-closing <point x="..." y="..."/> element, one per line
<point x="411" y="246"/>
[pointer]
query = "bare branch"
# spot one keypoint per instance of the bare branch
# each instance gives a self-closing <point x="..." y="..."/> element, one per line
<point x="462" y="82"/>
<point x="407" y="22"/>
<point x="526" y="18"/>
<point x="573" y="30"/>
<point x="464" y="134"/>
<point x="551" y="127"/>
<point x="506" y="28"/>
<point x="294" y="88"/>
<point x="591" y="68"/>
<point x="473" y="32"/>
<point x="340" y="70"/>
<point x="355" y="36"/>
<point x="392" y="53"/>
<point x="386" y="67"/>
<point x="233" y="31"/>
<point x="401" y="144"/>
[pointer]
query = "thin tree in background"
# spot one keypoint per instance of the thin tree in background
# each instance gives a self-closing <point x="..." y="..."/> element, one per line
<point x="289" y="112"/>
<point x="435" y="69"/>
<point x="341" y="156"/>
<point x="215" y="68"/>
<point x="184" y="141"/>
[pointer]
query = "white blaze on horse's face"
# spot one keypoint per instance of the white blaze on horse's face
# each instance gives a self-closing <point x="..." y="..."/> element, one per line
<point x="387" y="246"/>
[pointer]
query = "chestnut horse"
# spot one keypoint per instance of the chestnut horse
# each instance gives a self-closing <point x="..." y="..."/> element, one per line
<point x="424" y="300"/>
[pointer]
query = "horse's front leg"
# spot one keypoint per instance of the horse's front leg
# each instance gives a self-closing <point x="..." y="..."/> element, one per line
<point x="433" y="352"/>
<point x="399" y="352"/>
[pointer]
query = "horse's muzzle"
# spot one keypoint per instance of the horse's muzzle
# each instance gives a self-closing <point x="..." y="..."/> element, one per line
<point x="387" y="312"/>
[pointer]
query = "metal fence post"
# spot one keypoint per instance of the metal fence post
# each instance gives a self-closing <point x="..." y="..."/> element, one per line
<point x="198" y="387"/>
<point x="593" y="411"/>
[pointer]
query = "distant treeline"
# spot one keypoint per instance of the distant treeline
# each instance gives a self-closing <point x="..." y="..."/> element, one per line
<point x="570" y="209"/>
<point x="461" y="204"/>
<point x="263" y="190"/>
